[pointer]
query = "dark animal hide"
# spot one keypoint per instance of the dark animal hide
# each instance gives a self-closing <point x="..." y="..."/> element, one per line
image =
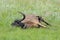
<point x="30" y="21"/>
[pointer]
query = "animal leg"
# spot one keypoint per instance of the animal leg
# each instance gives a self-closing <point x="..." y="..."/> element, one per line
<point x="25" y="26"/>
<point x="41" y="25"/>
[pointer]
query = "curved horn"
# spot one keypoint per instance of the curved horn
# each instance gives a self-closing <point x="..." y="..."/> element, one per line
<point x="23" y="16"/>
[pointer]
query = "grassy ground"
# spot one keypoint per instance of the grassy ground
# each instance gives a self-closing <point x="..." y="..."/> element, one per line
<point x="49" y="9"/>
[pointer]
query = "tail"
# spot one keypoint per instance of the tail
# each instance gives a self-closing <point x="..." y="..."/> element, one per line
<point x="41" y="19"/>
<point x="23" y="16"/>
<point x="46" y="22"/>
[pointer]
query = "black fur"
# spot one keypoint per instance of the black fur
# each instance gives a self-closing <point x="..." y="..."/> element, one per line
<point x="18" y="23"/>
<point x="41" y="19"/>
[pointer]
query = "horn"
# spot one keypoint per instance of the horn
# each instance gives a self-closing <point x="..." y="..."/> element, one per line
<point x="23" y="16"/>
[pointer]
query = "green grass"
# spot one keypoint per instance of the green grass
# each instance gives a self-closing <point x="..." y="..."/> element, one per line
<point x="49" y="9"/>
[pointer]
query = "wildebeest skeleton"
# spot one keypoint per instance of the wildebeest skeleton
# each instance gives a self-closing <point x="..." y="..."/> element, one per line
<point x="30" y="21"/>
